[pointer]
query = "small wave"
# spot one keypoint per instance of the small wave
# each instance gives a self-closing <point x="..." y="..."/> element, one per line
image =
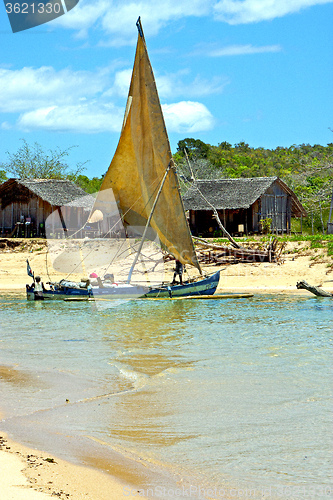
<point x="139" y="379"/>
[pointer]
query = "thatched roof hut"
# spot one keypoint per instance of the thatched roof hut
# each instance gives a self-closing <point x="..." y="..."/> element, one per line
<point x="31" y="201"/>
<point x="242" y="202"/>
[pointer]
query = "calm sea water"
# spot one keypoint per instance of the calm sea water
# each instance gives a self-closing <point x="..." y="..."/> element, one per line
<point x="220" y="394"/>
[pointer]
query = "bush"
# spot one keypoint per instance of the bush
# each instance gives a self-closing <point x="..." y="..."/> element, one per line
<point x="266" y="225"/>
<point x="330" y="248"/>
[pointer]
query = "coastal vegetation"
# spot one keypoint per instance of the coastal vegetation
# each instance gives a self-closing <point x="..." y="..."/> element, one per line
<point x="306" y="169"/>
<point x="33" y="162"/>
<point x="3" y="176"/>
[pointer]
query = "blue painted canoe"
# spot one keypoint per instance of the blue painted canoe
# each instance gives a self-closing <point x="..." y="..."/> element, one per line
<point x="67" y="289"/>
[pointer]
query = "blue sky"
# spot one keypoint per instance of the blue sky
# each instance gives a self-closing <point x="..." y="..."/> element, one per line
<point x="258" y="71"/>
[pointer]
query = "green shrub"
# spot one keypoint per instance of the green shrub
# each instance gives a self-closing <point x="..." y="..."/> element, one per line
<point x="330" y="248"/>
<point x="266" y="225"/>
<point x="315" y="243"/>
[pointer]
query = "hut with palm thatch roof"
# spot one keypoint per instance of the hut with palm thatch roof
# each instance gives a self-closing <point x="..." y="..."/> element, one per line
<point x="26" y="204"/>
<point x="244" y="205"/>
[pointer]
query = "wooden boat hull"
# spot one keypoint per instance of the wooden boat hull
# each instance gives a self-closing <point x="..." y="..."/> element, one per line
<point x="59" y="294"/>
<point x="206" y="286"/>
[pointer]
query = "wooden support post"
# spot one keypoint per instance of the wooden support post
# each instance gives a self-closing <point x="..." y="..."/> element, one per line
<point x="52" y="220"/>
<point x="62" y="221"/>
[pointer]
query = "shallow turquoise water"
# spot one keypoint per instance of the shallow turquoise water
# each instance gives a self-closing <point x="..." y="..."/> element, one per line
<point x="219" y="393"/>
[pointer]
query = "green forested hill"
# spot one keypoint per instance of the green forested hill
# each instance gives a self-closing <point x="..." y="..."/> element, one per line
<point x="307" y="169"/>
<point x="241" y="160"/>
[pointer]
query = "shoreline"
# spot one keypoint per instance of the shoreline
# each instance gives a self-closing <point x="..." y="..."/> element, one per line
<point x="65" y="479"/>
<point x="260" y="285"/>
<point x="35" y="475"/>
<point x="30" y="474"/>
<point x="72" y="464"/>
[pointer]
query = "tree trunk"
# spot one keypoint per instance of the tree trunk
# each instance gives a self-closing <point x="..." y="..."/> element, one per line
<point x="321" y="218"/>
<point x="243" y="254"/>
<point x="313" y="289"/>
<point x="223" y="229"/>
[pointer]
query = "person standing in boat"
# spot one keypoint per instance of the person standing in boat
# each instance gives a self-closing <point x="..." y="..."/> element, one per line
<point x="178" y="270"/>
<point x="38" y="288"/>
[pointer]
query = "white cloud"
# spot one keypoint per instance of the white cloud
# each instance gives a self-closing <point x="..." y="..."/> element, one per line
<point x="62" y="100"/>
<point x="87" y="101"/>
<point x="187" y="116"/>
<point x="84" y="16"/>
<point x="118" y="18"/>
<point x="85" y="118"/>
<point x="29" y="88"/>
<point x="250" y="11"/>
<point x="6" y="126"/>
<point x="237" y="50"/>
<point x="121" y="84"/>
<point x="174" y="85"/>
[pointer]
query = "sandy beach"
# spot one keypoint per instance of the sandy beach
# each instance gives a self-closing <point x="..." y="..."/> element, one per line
<point x="28" y="474"/>
<point x="298" y="262"/>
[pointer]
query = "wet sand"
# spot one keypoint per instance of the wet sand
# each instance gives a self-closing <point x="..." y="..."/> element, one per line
<point x="28" y="474"/>
<point x="88" y="475"/>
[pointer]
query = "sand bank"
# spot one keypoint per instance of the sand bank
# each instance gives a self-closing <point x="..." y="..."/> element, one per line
<point x="27" y="474"/>
<point x="298" y="262"/>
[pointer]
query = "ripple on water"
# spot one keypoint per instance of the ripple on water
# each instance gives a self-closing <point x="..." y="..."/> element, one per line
<point x="234" y="390"/>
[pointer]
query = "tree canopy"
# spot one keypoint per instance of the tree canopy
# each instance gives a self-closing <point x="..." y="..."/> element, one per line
<point x="306" y="169"/>
<point x="3" y="176"/>
<point x="89" y="185"/>
<point x="193" y="147"/>
<point x="33" y="162"/>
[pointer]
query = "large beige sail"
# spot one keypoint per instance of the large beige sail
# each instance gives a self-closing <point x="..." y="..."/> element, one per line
<point x="139" y="165"/>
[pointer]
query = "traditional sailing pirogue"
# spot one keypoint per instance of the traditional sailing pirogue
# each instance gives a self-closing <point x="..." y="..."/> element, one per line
<point x="144" y="186"/>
